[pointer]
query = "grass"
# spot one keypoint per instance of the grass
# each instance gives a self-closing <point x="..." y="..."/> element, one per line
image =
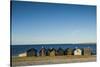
<point x="25" y="61"/>
<point x="39" y="58"/>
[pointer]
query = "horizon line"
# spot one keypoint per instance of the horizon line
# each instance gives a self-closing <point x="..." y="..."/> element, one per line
<point x="53" y="43"/>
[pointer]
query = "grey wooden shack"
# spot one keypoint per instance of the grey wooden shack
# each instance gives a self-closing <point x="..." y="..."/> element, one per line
<point x="31" y="52"/>
<point x="51" y="52"/>
<point x="42" y="52"/>
<point x="69" y="51"/>
<point x="60" y="52"/>
<point x="87" y="51"/>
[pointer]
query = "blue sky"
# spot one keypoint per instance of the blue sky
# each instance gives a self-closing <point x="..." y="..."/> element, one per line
<point x="40" y="23"/>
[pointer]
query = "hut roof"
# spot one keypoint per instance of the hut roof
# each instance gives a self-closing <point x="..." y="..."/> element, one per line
<point x="32" y="49"/>
<point x="60" y="49"/>
<point x="69" y="49"/>
<point x="43" y="49"/>
<point x="78" y="49"/>
<point x="53" y="49"/>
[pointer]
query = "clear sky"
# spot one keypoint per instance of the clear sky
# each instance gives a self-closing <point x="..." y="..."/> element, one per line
<point x="40" y="23"/>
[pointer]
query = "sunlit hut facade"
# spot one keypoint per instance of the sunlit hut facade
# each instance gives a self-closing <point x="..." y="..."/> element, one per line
<point x="42" y="52"/>
<point x="60" y="52"/>
<point x="78" y="51"/>
<point x="51" y="52"/>
<point x="31" y="52"/>
<point x="69" y="51"/>
<point x="87" y="51"/>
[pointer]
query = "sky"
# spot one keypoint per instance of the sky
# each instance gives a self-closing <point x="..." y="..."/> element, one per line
<point x="46" y="23"/>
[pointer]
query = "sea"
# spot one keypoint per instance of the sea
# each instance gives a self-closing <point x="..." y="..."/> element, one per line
<point x="17" y="49"/>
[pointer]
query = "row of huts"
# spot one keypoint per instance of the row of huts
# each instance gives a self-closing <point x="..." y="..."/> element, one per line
<point x="53" y="52"/>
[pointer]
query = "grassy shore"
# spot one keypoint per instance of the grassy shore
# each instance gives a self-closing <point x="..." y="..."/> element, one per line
<point x="24" y="61"/>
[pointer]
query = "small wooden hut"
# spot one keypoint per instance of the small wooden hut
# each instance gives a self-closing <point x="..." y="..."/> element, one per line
<point x="42" y="52"/>
<point x="87" y="51"/>
<point x="60" y="52"/>
<point x="31" y="52"/>
<point x="77" y="51"/>
<point x="51" y="52"/>
<point x="69" y="51"/>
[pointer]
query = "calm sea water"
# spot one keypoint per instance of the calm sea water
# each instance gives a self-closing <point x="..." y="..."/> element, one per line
<point x="17" y="49"/>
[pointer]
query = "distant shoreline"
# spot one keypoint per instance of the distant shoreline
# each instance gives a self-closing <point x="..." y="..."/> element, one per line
<point x="58" y="44"/>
